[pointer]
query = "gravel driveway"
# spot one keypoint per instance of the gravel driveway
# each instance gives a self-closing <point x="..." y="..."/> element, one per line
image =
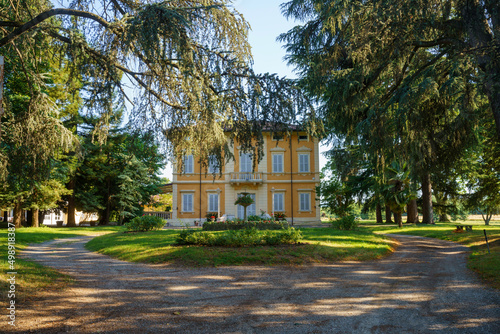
<point x="424" y="287"/>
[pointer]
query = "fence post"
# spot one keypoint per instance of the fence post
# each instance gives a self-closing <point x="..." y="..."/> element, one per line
<point x="487" y="244"/>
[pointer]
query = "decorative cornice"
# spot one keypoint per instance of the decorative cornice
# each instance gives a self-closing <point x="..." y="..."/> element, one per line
<point x="277" y="149"/>
<point x="304" y="149"/>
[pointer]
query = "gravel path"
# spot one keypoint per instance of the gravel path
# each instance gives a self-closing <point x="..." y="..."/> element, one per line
<point x="424" y="287"/>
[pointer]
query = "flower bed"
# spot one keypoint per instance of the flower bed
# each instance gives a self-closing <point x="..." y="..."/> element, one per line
<point x="241" y="225"/>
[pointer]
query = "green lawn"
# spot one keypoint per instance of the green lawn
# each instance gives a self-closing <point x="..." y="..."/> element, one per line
<point x="317" y="245"/>
<point x="486" y="265"/>
<point x="32" y="277"/>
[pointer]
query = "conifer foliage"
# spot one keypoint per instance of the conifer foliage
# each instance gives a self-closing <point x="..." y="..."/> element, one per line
<point x="189" y="63"/>
<point x="404" y="80"/>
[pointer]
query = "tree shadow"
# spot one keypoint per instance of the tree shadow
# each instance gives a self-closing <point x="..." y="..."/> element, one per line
<point x="424" y="287"/>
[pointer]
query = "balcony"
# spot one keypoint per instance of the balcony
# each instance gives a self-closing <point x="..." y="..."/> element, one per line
<point x="246" y="177"/>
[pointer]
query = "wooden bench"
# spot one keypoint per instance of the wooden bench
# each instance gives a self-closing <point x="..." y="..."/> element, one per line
<point x="468" y="228"/>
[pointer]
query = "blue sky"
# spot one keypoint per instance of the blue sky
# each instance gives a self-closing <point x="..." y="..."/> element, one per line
<point x="267" y="24"/>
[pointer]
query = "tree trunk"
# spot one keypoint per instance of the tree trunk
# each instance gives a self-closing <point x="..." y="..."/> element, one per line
<point x="444" y="218"/>
<point x="378" y="211"/>
<point x="36" y="221"/>
<point x="388" y="215"/>
<point x="487" y="218"/>
<point x="71" y="222"/>
<point x="5" y="215"/>
<point x="412" y="212"/>
<point x="29" y="218"/>
<point x="427" y="212"/>
<point x="18" y="213"/>
<point x="398" y="219"/>
<point x="105" y="215"/>
<point x="41" y="215"/>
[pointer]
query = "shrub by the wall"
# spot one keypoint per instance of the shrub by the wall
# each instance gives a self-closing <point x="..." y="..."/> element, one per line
<point x="145" y="223"/>
<point x="239" y="238"/>
<point x="241" y="225"/>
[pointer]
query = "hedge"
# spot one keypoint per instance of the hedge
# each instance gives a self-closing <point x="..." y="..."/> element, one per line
<point x="235" y="225"/>
<point x="239" y="238"/>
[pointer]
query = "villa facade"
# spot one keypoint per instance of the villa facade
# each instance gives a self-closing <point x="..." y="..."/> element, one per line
<point x="284" y="181"/>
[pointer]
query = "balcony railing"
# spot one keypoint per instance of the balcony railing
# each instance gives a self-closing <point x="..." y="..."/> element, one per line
<point x="246" y="177"/>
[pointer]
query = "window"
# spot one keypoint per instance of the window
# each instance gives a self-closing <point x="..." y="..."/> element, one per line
<point x="277" y="163"/>
<point x="303" y="138"/>
<point x="187" y="203"/>
<point x="213" y="165"/>
<point x="279" y="199"/>
<point x="277" y="137"/>
<point x="250" y="209"/>
<point x="303" y="163"/>
<point x="188" y="164"/>
<point x="305" y="202"/>
<point x="213" y="202"/>
<point x="246" y="162"/>
<point x="57" y="215"/>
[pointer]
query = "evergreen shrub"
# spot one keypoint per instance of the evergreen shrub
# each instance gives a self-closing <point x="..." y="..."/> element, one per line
<point x="239" y="238"/>
<point x="145" y="223"/>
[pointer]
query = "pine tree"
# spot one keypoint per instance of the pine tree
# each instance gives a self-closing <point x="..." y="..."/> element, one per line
<point x="189" y="62"/>
<point x="399" y="77"/>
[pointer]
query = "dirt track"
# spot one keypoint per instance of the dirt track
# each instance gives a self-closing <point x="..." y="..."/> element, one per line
<point x="424" y="287"/>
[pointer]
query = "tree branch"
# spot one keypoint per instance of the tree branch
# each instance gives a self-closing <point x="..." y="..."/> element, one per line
<point x="118" y="7"/>
<point x="45" y="15"/>
<point x="10" y="24"/>
<point x="429" y="44"/>
<point x="133" y="74"/>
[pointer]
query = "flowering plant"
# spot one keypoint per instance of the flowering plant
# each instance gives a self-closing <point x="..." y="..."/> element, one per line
<point x="279" y="215"/>
<point x="211" y="216"/>
<point x="245" y="200"/>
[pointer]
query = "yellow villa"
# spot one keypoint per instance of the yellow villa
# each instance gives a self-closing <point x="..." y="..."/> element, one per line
<point x="284" y="182"/>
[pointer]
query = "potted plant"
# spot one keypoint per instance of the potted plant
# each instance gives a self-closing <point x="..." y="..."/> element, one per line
<point x="279" y="216"/>
<point x="244" y="201"/>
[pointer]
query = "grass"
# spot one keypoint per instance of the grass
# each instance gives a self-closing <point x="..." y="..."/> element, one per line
<point x="318" y="245"/>
<point x="31" y="278"/>
<point x="487" y="265"/>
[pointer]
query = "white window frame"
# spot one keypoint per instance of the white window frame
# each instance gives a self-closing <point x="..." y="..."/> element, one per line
<point x="276" y="208"/>
<point x="280" y="164"/>
<point x="305" y="201"/>
<point x="213" y="167"/>
<point x="247" y="166"/>
<point x="213" y="202"/>
<point x="185" y="208"/>
<point x="57" y="215"/>
<point x="188" y="164"/>
<point x="304" y="167"/>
